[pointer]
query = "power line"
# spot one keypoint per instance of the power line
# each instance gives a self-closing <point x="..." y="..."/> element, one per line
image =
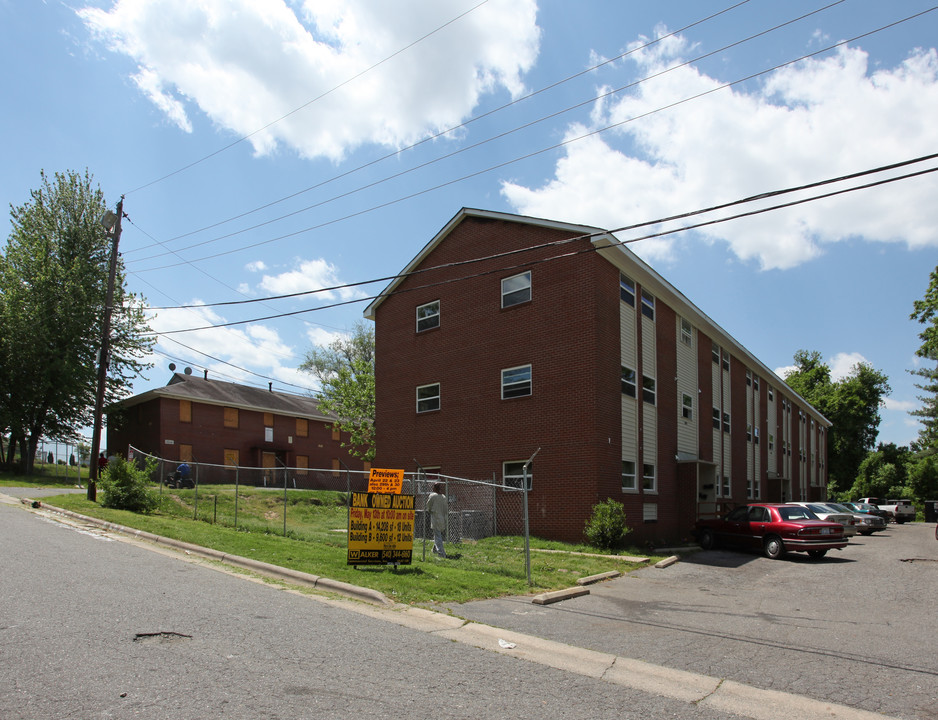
<point x="577" y="252"/>
<point x="692" y="213"/>
<point x="535" y="153"/>
<point x="468" y="122"/>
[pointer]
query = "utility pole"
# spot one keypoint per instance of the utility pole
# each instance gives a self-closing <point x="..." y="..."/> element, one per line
<point x="114" y="232"/>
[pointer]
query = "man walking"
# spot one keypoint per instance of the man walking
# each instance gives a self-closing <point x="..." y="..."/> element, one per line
<point x="438" y="507"/>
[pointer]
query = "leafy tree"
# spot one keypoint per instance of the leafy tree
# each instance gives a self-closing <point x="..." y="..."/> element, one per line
<point x="851" y="404"/>
<point x="881" y="474"/>
<point x="53" y="283"/>
<point x="926" y="312"/>
<point x="346" y="374"/>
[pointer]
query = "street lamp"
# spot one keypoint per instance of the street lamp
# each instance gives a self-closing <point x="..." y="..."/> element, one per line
<point x="112" y="223"/>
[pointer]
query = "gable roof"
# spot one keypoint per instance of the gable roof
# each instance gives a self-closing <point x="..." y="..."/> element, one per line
<point x="228" y="394"/>
<point x="609" y="247"/>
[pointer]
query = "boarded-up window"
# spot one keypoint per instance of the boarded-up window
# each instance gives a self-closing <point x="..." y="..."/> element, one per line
<point x="185" y="453"/>
<point x="231" y="458"/>
<point x="336" y="433"/>
<point x="269" y="419"/>
<point x="302" y="463"/>
<point x="302" y="427"/>
<point x="185" y="411"/>
<point x="231" y="417"/>
<point x="336" y="467"/>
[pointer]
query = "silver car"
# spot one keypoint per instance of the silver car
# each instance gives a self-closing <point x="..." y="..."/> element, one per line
<point x="866" y="524"/>
<point x="828" y="513"/>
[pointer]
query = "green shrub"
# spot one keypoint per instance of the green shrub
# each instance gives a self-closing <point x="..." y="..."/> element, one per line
<point x="606" y="527"/>
<point x="124" y="487"/>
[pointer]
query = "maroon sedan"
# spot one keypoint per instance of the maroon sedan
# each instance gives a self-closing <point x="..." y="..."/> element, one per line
<point x="773" y="529"/>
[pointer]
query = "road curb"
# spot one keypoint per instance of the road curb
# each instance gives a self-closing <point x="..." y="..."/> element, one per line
<point x="368" y="595"/>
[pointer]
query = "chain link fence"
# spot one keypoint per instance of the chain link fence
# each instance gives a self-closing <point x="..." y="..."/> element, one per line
<point x="477" y="509"/>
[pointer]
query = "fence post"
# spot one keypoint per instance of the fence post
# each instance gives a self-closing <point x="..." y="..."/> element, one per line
<point x="237" y="470"/>
<point x="195" y="511"/>
<point x="527" y="532"/>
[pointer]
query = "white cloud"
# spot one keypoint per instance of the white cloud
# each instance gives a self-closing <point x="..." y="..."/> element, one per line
<point x="308" y="275"/>
<point x="818" y="119"/>
<point x="246" y="63"/>
<point x="842" y="364"/>
<point x="256" y="266"/>
<point x="903" y="406"/>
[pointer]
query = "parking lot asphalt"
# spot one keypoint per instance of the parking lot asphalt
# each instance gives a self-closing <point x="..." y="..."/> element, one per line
<point x="857" y="628"/>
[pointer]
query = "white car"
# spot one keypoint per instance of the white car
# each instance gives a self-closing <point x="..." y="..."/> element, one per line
<point x="828" y="513"/>
<point x="866" y="524"/>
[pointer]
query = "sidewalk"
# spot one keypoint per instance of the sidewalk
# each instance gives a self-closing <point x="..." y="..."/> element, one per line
<point x="703" y="691"/>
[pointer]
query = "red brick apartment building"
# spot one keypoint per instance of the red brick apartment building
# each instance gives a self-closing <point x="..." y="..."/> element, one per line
<point x="507" y="335"/>
<point x="222" y="423"/>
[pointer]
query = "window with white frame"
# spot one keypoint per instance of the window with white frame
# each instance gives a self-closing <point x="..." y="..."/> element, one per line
<point x="627" y="290"/>
<point x="755" y="432"/>
<point x="648" y="389"/>
<point x="628" y="381"/>
<point x="726" y="422"/>
<point x="771" y="441"/>
<point x="748" y="432"/>
<point x="716" y="418"/>
<point x="715" y="353"/>
<point x="686" y="332"/>
<point x="726" y="361"/>
<point x="428" y="398"/>
<point x="268" y="434"/>
<point x="648" y="305"/>
<point x="726" y="486"/>
<point x="428" y="316"/>
<point x="516" y="289"/>
<point x="628" y="476"/>
<point x="516" y="382"/>
<point x="513" y="474"/>
<point x="687" y="406"/>
<point x="771" y="393"/>
<point x="649" y="478"/>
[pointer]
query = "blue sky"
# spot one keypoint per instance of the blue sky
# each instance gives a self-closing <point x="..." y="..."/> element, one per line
<point x="267" y="147"/>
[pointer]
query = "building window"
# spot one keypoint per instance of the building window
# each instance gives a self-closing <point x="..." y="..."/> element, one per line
<point x="726" y="362"/>
<point x="715" y="353"/>
<point x="628" y="381"/>
<point x="716" y="418"/>
<point x="513" y="474"/>
<point x="231" y="417"/>
<point x="336" y="431"/>
<point x="627" y="290"/>
<point x="516" y="382"/>
<point x="726" y="486"/>
<point x="771" y="441"/>
<point x="749" y="378"/>
<point x="231" y="458"/>
<point x="648" y="305"/>
<point x="686" y="332"/>
<point x="756" y="435"/>
<point x="687" y="406"/>
<point x="302" y="427"/>
<point x="748" y="433"/>
<point x="428" y="398"/>
<point x="185" y="411"/>
<point x="268" y="434"/>
<point x="648" y="389"/>
<point x="628" y="476"/>
<point x="269" y="419"/>
<point x="726" y="422"/>
<point x="771" y="393"/>
<point x="302" y="464"/>
<point x="516" y="289"/>
<point x="649" y="479"/>
<point x="428" y="316"/>
<point x="755" y="382"/>
<point x="650" y="512"/>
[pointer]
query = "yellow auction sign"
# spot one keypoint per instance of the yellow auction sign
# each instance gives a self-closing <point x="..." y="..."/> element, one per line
<point x="380" y="529"/>
<point x="385" y="481"/>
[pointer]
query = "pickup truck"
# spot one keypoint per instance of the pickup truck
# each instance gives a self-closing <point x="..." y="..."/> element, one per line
<point x="899" y="511"/>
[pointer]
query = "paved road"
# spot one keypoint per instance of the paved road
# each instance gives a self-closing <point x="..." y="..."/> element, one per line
<point x="859" y="628"/>
<point x="95" y="628"/>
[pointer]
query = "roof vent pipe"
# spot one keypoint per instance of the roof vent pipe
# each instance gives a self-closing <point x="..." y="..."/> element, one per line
<point x="205" y="375"/>
<point x="270" y="387"/>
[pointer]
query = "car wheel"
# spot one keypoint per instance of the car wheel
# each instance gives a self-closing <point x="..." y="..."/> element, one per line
<point x="773" y="547"/>
<point x="816" y="554"/>
<point x="706" y="539"/>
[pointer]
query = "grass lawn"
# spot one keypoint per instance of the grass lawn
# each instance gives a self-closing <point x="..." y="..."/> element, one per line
<point x="315" y="542"/>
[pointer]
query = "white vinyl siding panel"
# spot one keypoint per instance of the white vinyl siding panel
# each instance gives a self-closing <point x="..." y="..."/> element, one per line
<point x="649" y="438"/>
<point x="630" y="405"/>
<point x="716" y="380"/>
<point x="687" y="385"/>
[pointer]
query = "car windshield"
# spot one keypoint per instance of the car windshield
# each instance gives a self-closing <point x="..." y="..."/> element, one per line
<point x="819" y="509"/>
<point x="840" y="508"/>
<point x="796" y="513"/>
